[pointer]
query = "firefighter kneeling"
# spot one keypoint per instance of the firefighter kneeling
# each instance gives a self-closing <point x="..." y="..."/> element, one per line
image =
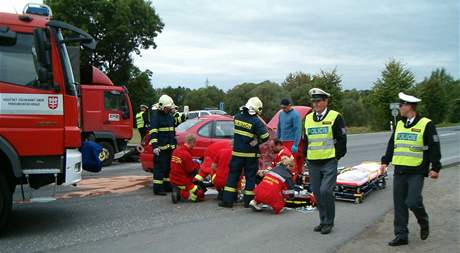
<point x="183" y="170"/>
<point x="270" y="190"/>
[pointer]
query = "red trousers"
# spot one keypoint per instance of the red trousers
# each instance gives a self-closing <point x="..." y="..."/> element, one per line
<point x="270" y="192"/>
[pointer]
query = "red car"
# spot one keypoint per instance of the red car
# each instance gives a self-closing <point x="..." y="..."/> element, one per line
<point x="213" y="128"/>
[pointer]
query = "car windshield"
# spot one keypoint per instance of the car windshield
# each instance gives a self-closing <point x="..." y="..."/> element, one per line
<point x="187" y="125"/>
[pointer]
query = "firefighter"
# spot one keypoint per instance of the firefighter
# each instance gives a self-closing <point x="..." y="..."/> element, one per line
<point x="142" y="121"/>
<point x="163" y="141"/>
<point x="270" y="190"/>
<point x="250" y="131"/>
<point x="413" y="146"/>
<point x="325" y="144"/>
<point x="183" y="170"/>
<point x="209" y="165"/>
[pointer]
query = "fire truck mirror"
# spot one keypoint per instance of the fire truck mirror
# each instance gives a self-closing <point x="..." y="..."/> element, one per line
<point x="7" y="37"/>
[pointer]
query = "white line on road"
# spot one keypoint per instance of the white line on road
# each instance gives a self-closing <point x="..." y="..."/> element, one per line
<point x="446" y="134"/>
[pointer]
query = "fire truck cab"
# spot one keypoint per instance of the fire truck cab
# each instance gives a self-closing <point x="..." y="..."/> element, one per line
<point x="39" y="107"/>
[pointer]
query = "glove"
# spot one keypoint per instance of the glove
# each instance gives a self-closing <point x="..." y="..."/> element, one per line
<point x="156" y="151"/>
<point x="253" y="143"/>
<point x="294" y="149"/>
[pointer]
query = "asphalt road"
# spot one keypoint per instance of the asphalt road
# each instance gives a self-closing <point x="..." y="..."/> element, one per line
<point x="115" y="211"/>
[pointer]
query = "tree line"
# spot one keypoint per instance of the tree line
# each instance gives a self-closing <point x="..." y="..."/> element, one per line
<point x="440" y="94"/>
<point x="124" y="27"/>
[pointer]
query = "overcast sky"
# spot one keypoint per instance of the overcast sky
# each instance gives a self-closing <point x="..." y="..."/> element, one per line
<point x="230" y="42"/>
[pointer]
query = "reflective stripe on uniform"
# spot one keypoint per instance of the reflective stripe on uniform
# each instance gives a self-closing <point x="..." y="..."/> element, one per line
<point x="323" y="147"/>
<point x="265" y="135"/>
<point x="244" y="133"/>
<point x="166" y="179"/>
<point x="176" y="159"/>
<point x="411" y="154"/>
<point x="243" y="154"/>
<point x="229" y="189"/>
<point x="153" y="130"/>
<point x="166" y="129"/>
<point x="199" y="177"/>
<point x="153" y="141"/>
<point x="157" y="181"/>
<point x="279" y="177"/>
<point x="411" y="147"/>
<point x="246" y="192"/>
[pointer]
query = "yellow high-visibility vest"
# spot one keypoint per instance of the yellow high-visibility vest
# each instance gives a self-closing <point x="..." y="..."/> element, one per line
<point x="408" y="144"/>
<point x="320" y="136"/>
<point x="140" y="119"/>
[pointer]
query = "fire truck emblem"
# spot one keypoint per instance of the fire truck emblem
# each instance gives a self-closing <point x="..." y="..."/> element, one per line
<point x="53" y="102"/>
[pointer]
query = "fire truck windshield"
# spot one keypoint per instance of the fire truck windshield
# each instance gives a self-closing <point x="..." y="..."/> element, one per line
<point x="17" y="62"/>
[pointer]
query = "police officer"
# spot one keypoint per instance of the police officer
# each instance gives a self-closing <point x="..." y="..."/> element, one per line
<point x="413" y="146"/>
<point x="325" y="144"/>
<point x="142" y="121"/>
<point x="164" y="119"/>
<point x="249" y="132"/>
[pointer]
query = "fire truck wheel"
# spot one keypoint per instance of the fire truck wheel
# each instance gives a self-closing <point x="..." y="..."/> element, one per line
<point x="6" y="202"/>
<point x="106" y="154"/>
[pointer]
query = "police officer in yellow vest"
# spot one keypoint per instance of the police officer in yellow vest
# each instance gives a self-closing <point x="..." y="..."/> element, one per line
<point x="325" y="144"/>
<point x="142" y="121"/>
<point x="412" y="147"/>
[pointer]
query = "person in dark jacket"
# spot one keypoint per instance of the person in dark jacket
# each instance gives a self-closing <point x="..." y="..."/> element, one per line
<point x="270" y="190"/>
<point x="163" y="141"/>
<point x="250" y="131"/>
<point x="413" y="146"/>
<point x="325" y="144"/>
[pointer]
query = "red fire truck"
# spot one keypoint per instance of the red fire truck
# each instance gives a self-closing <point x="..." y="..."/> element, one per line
<point x="39" y="106"/>
<point x="107" y="116"/>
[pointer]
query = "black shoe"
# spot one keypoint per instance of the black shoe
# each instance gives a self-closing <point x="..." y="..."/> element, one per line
<point x="175" y="195"/>
<point x="326" y="229"/>
<point x="226" y="204"/>
<point x="398" y="242"/>
<point x="318" y="228"/>
<point x="424" y="232"/>
<point x="219" y="195"/>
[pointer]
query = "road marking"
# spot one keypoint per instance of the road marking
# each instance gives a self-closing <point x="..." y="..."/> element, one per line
<point x="447" y="134"/>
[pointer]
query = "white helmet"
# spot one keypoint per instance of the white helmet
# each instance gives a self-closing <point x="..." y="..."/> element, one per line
<point x="166" y="101"/>
<point x="254" y="105"/>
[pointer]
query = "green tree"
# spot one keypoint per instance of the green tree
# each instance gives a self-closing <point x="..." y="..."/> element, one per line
<point x="354" y="107"/>
<point x="432" y="91"/>
<point x="269" y="92"/>
<point x="140" y="89"/>
<point x="297" y="86"/>
<point x="208" y="96"/>
<point x="121" y="27"/>
<point x="178" y="94"/>
<point x="396" y="77"/>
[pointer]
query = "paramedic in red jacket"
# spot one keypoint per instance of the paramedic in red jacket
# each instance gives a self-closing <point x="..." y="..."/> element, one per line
<point x="208" y="167"/>
<point x="183" y="170"/>
<point x="270" y="190"/>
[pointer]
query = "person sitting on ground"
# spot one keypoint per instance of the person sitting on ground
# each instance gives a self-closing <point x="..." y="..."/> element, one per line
<point x="270" y="190"/>
<point x="183" y="170"/>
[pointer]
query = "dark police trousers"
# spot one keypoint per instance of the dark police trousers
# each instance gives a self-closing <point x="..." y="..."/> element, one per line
<point x="407" y="194"/>
<point x="161" y="168"/>
<point x="323" y="176"/>
<point x="237" y="164"/>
